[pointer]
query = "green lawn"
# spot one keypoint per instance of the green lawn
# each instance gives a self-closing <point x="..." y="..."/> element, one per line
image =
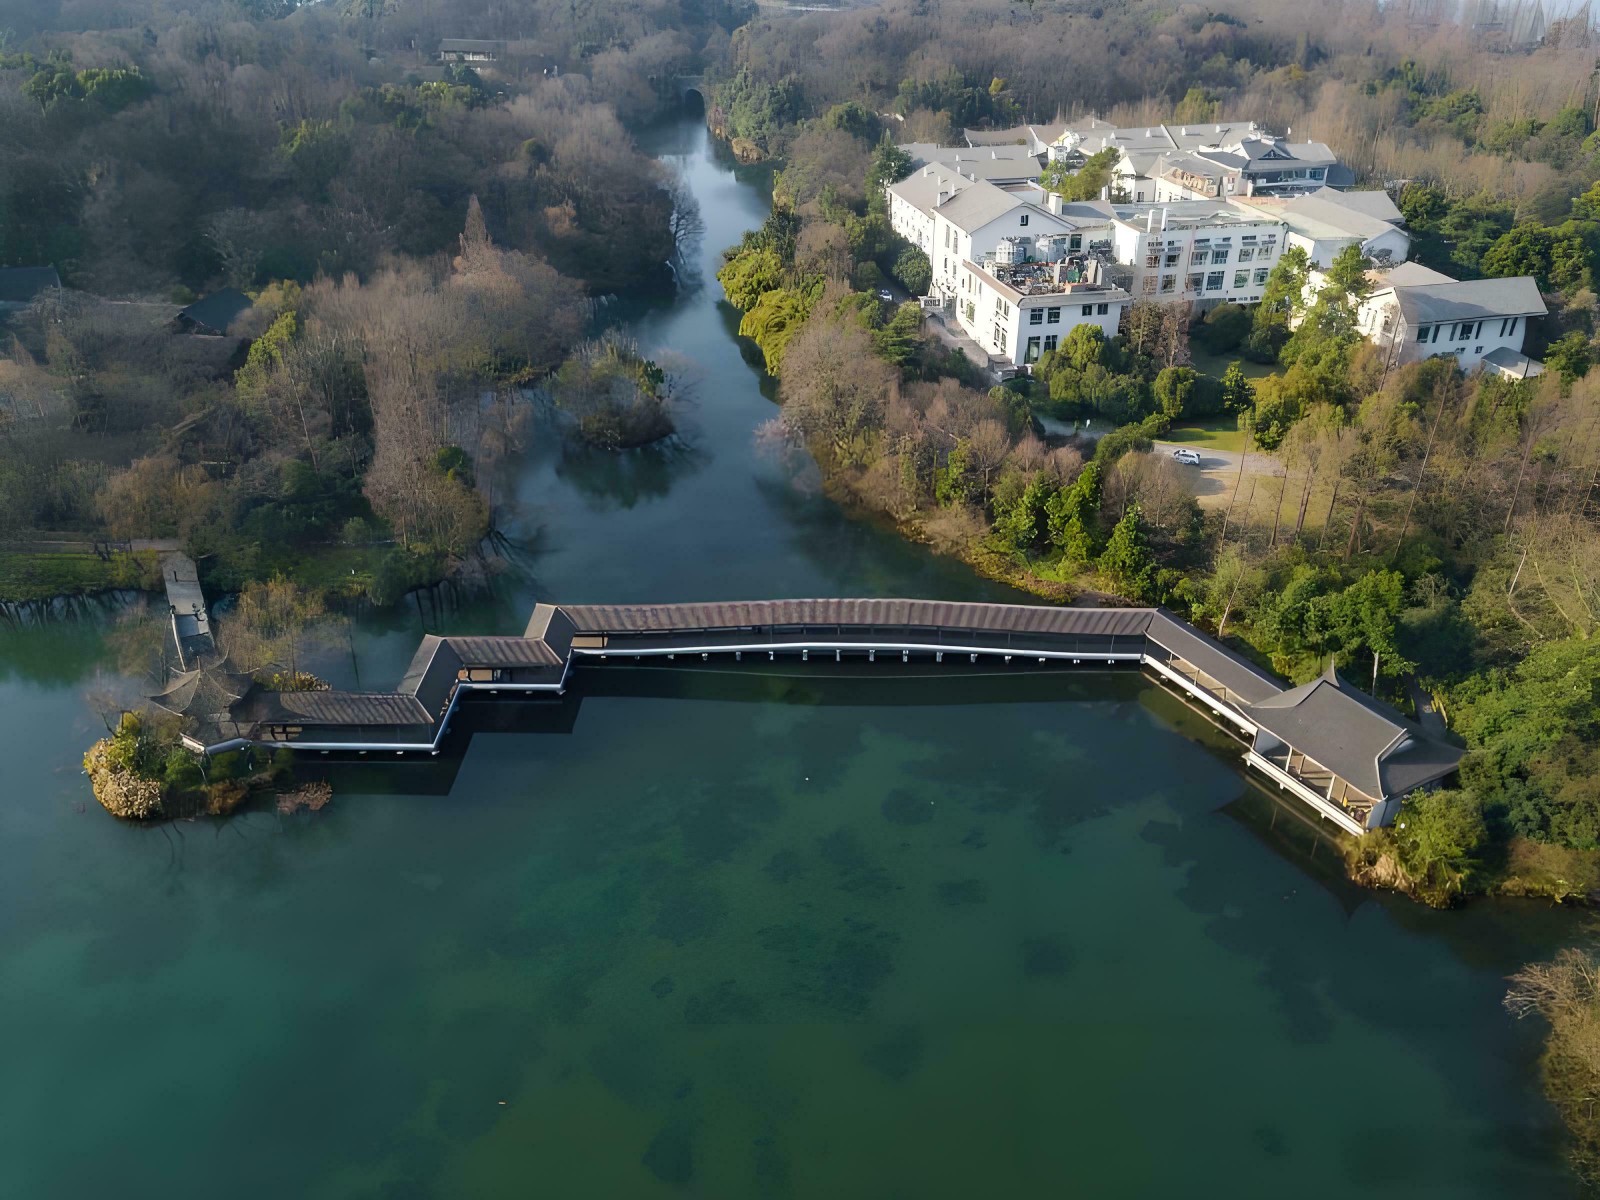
<point x="1215" y="364"/>
<point x="39" y="575"/>
<point x="1216" y="433"/>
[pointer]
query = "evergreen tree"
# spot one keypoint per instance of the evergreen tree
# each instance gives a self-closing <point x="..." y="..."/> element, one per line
<point x="1127" y="561"/>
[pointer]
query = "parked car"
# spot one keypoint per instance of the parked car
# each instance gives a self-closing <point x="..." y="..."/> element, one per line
<point x="1188" y="457"/>
<point x="886" y="295"/>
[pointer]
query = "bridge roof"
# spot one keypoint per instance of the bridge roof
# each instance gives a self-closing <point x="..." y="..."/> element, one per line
<point x="744" y="614"/>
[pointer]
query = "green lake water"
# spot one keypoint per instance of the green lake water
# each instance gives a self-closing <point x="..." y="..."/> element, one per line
<point x="833" y="931"/>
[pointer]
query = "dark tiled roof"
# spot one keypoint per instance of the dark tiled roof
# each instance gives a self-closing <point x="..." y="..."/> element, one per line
<point x="331" y="708"/>
<point x="217" y="311"/>
<point x="1360" y="739"/>
<point x="1010" y="618"/>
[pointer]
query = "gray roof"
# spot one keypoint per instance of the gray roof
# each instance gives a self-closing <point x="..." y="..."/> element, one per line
<point x="921" y="188"/>
<point x="1470" y="299"/>
<point x="469" y="46"/>
<point x="926" y="152"/>
<point x="331" y="708"/>
<point x="19" y="285"/>
<point x="1512" y="363"/>
<point x="976" y="205"/>
<point x="1361" y="740"/>
<point x="1407" y="274"/>
<point x="1373" y="203"/>
<point x="217" y="311"/>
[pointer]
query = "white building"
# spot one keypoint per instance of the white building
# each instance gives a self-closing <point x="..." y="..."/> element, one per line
<point x="1213" y="161"/>
<point x="953" y="218"/>
<point x="1418" y="313"/>
<point x="1323" y="223"/>
<point x="1202" y="252"/>
<point x="1017" y="311"/>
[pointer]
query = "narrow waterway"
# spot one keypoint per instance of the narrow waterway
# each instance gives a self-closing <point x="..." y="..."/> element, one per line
<point x="728" y="934"/>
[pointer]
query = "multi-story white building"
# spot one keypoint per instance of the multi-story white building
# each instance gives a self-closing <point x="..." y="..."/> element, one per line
<point x="954" y="219"/>
<point x="1417" y="314"/>
<point x="1017" y="311"/>
<point x="1201" y="252"/>
<point x="1323" y="223"/>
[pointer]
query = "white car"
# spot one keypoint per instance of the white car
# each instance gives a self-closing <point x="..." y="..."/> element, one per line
<point x="886" y="295"/>
<point x="1187" y="457"/>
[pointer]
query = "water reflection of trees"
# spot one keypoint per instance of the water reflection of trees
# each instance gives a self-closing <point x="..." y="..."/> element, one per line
<point x="611" y="480"/>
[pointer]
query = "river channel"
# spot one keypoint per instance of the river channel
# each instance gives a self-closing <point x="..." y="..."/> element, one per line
<point x="814" y="933"/>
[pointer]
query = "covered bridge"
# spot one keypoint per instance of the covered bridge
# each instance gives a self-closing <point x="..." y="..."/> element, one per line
<point x="1348" y="756"/>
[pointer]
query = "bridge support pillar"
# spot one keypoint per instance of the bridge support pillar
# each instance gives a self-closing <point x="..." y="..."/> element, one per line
<point x="703" y="657"/>
<point x="771" y="655"/>
<point x="805" y="656"/>
<point x="838" y="656"/>
<point x="905" y="656"/>
<point x="938" y="656"/>
<point x="974" y="658"/>
<point x="872" y="656"/>
<point x="738" y="656"/>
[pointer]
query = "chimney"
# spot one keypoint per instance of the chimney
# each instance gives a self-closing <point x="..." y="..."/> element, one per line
<point x="1053" y="203"/>
<point x="1164" y="211"/>
<point x="1150" y="221"/>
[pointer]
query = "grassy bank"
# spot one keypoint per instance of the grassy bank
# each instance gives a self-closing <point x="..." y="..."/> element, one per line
<point x="28" y="576"/>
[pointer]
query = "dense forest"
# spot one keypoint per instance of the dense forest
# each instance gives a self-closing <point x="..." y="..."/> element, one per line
<point x="407" y="233"/>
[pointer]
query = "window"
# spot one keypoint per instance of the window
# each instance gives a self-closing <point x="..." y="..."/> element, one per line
<point x="997" y="338"/>
<point x="1505" y="326"/>
<point x="1247" y="239"/>
<point x="1152" y="260"/>
<point x="1032" y="354"/>
<point x="1317" y="172"/>
<point x="1514" y="321"/>
<point x="947" y="237"/>
<point x="1219" y="256"/>
<point x="1241" y="279"/>
<point x="1193" y="283"/>
<point x="1049" y="341"/>
<point x="1088" y="310"/>
<point x="1172" y="259"/>
<point x="1422" y="333"/>
<point x="1053" y="316"/>
<point x="1477" y="349"/>
<point x="1198" y="258"/>
<point x="1169" y="283"/>
<point x="1262" y="275"/>
<point x="1148" y="287"/>
<point x="1464" y="331"/>
<point x="1436" y="330"/>
<point x="1246" y="253"/>
<point x="1214" y="281"/>
<point x="1036" y="316"/>
<point x="1024" y="221"/>
<point x="1075" y="242"/>
<point x="1103" y="309"/>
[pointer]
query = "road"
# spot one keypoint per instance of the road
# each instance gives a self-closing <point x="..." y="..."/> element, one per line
<point x="1219" y="470"/>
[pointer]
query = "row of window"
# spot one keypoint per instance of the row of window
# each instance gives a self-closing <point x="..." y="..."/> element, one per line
<point x="1052" y="316"/>
<point x="1465" y="331"/>
<point x="1211" y="281"/>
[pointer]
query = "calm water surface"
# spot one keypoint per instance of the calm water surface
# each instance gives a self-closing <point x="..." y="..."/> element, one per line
<point x="821" y="933"/>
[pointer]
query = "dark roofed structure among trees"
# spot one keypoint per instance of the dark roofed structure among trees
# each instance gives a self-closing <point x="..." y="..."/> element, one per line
<point x="214" y="313"/>
<point x="469" y="50"/>
<point x="22" y="285"/>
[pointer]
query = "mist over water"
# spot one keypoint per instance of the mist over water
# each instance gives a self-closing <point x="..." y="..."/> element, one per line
<point x="828" y="931"/>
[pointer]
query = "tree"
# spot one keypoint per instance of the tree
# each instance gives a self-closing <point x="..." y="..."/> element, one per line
<point x="1566" y="994"/>
<point x="914" y="271"/>
<point x="1127" y="561"/>
<point x="1569" y="356"/>
<point x="890" y="164"/>
<point x="1438" y="836"/>
<point x="1174" y="389"/>
<point x="1238" y="395"/>
<point x="1087" y="182"/>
